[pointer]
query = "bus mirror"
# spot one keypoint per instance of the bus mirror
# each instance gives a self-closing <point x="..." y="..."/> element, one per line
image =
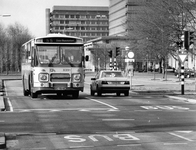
<point x="87" y="58"/>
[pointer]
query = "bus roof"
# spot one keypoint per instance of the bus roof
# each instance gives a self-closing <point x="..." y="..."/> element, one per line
<point x="54" y="36"/>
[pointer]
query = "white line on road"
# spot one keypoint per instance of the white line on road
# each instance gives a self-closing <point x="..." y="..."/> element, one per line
<point x="174" y="143"/>
<point x="118" y="119"/>
<point x="102" y="103"/>
<point x="181" y="137"/>
<point x="130" y="145"/>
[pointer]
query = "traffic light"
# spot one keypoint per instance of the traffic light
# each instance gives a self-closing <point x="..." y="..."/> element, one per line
<point x="110" y="53"/>
<point x="188" y="39"/>
<point x="117" y="51"/>
<point x="179" y="44"/>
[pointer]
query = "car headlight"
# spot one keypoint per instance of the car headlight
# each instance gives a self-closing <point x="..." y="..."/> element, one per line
<point x="43" y="77"/>
<point x="76" y="77"/>
<point x="126" y="82"/>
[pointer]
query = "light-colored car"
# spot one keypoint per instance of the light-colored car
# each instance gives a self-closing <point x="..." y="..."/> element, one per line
<point x="108" y="81"/>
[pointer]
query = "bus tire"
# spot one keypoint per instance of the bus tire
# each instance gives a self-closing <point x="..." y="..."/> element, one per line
<point x="25" y="92"/>
<point x="75" y="94"/>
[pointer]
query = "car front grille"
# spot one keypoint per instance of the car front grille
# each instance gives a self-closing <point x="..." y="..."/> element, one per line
<point x="60" y="77"/>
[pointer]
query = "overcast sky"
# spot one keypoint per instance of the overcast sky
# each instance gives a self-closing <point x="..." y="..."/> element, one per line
<point x="31" y="13"/>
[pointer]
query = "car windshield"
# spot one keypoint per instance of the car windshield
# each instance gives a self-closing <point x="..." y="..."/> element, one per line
<point x="59" y="55"/>
<point x="112" y="74"/>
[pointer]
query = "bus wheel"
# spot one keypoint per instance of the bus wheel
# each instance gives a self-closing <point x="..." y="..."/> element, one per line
<point x="25" y="92"/>
<point x="75" y="94"/>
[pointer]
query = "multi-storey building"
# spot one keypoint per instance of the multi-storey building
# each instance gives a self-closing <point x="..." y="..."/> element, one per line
<point x="119" y="11"/>
<point x="81" y="21"/>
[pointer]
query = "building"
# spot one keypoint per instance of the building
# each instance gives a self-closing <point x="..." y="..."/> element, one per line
<point x="81" y="21"/>
<point x="119" y="10"/>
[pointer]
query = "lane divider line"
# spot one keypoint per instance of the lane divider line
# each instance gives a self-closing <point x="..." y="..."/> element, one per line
<point x="103" y="103"/>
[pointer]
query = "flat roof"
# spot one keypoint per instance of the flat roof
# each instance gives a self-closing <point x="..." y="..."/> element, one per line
<point x="81" y="8"/>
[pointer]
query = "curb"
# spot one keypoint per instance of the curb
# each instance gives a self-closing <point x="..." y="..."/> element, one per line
<point x="2" y="141"/>
<point x="182" y="99"/>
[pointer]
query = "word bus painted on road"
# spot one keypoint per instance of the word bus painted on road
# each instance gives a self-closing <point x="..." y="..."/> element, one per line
<point x="94" y="138"/>
<point x="53" y="64"/>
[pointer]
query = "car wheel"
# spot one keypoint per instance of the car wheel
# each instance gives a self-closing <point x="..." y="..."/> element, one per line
<point x="92" y="93"/>
<point x="34" y="95"/>
<point x="118" y="94"/>
<point x="126" y="93"/>
<point x="99" y="93"/>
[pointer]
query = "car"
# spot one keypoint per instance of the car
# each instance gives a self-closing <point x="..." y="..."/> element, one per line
<point x="110" y="81"/>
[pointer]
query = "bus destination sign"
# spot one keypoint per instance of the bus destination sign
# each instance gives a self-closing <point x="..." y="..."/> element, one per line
<point x="59" y="40"/>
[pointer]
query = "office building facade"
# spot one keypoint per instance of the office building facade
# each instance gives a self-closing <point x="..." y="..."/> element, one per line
<point x="81" y="21"/>
<point x="119" y="11"/>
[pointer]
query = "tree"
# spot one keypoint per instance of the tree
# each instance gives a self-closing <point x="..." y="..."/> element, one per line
<point x="17" y="35"/>
<point x="157" y="26"/>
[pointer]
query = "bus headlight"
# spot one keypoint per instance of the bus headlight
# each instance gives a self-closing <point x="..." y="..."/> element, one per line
<point x="76" y="77"/>
<point x="43" y="77"/>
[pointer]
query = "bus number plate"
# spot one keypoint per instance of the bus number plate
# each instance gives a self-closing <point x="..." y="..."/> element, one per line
<point x="60" y="87"/>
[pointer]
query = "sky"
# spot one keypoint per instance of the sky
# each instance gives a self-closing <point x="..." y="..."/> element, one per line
<point x="31" y="13"/>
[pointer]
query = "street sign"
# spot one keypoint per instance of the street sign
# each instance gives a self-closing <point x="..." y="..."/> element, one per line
<point x="130" y="54"/>
<point x="182" y="57"/>
<point x="129" y="60"/>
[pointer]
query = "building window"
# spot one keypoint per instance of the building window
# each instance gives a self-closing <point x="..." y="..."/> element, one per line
<point x="87" y="28"/>
<point x="56" y="16"/>
<point x="66" y="22"/>
<point x="61" y="28"/>
<point x="66" y="16"/>
<point x="87" y="16"/>
<point x="62" y="16"/>
<point x="82" y="34"/>
<point x="77" y="16"/>
<point x="72" y="16"/>
<point x="82" y="22"/>
<point x="92" y="22"/>
<point x="61" y="22"/>
<point x="82" y="28"/>
<point x="92" y="28"/>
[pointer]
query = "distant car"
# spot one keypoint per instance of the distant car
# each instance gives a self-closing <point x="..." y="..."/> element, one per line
<point x="107" y="81"/>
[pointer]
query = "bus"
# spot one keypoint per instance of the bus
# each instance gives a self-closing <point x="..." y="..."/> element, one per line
<point x="53" y="64"/>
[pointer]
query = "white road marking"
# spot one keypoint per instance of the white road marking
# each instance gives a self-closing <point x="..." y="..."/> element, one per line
<point x="10" y="105"/>
<point x="118" y="119"/>
<point x="103" y="103"/>
<point x="187" y="139"/>
<point x="129" y="145"/>
<point x="174" y="143"/>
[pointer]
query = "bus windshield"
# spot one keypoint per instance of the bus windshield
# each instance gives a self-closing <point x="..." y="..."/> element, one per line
<point x="64" y="55"/>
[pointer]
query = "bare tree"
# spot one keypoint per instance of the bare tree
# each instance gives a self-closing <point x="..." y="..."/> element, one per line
<point x="158" y="25"/>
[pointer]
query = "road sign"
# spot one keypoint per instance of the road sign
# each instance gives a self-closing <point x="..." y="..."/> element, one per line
<point x="130" y="54"/>
<point x="182" y="57"/>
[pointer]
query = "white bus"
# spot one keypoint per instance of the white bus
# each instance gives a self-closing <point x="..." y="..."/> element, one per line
<point x="53" y="64"/>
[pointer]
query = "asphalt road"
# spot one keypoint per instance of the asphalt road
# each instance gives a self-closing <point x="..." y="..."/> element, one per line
<point x="148" y="122"/>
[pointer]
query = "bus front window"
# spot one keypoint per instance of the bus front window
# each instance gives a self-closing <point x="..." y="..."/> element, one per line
<point x="71" y="55"/>
<point x="48" y="55"/>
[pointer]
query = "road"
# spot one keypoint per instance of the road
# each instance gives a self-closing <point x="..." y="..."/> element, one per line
<point x="138" y="122"/>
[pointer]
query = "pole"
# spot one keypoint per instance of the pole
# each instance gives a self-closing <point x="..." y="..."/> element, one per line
<point x="182" y="78"/>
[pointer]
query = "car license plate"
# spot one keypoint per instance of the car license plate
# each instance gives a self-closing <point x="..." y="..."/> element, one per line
<point x="112" y="82"/>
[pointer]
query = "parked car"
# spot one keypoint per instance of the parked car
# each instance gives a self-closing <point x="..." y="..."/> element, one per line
<point x="107" y="81"/>
<point x="187" y="73"/>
